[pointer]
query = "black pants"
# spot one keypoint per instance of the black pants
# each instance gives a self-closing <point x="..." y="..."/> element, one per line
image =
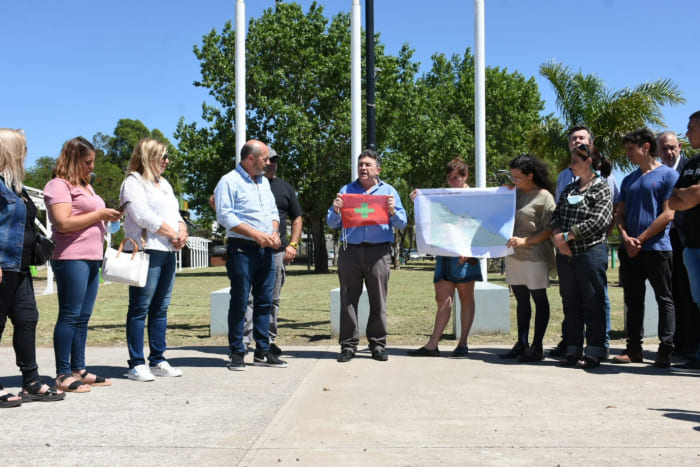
<point x="687" y="335"/>
<point x="656" y="266"/>
<point x="17" y="303"/>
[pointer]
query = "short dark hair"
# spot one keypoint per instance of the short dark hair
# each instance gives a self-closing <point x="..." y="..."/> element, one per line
<point x="599" y="161"/>
<point x="529" y="164"/>
<point x="695" y="116"/>
<point x="371" y="154"/>
<point x="576" y="128"/>
<point x="640" y="137"/>
<point x="457" y="164"/>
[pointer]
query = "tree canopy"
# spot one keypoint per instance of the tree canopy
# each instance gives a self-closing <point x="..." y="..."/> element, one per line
<point x="298" y="101"/>
<point x="583" y="99"/>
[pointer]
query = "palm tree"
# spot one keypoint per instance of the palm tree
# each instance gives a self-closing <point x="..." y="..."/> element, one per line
<point x="584" y="100"/>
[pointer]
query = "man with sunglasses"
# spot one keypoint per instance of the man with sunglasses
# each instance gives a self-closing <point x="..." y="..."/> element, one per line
<point x="685" y="198"/>
<point x="643" y="217"/>
<point x="687" y="335"/>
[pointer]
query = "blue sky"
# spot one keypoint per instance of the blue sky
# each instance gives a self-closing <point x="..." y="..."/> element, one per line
<point x="75" y="68"/>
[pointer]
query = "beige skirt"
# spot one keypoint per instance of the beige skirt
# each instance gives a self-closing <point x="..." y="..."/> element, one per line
<point x="533" y="274"/>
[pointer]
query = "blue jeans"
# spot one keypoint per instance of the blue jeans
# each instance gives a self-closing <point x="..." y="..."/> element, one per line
<point x="152" y="300"/>
<point x="249" y="267"/>
<point x="77" y="282"/>
<point x="691" y="258"/>
<point x="582" y="282"/>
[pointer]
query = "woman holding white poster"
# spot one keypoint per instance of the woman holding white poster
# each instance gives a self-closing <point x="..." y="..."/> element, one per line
<point x="452" y="273"/>
<point x="527" y="269"/>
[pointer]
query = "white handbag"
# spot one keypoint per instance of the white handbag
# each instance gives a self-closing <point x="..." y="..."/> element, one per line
<point x="127" y="268"/>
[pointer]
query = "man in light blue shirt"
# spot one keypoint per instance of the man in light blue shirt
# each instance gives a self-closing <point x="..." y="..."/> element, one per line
<point x="365" y="257"/>
<point x="246" y="208"/>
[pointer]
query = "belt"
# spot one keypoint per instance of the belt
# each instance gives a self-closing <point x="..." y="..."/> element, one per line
<point x="242" y="241"/>
<point x="367" y="245"/>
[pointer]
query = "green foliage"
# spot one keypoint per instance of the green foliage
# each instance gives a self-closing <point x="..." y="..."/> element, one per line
<point x="40" y="173"/>
<point x="584" y="100"/>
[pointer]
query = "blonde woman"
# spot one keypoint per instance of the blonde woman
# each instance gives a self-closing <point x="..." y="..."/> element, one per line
<point x="17" y="213"/>
<point x="77" y="217"/>
<point x="152" y="214"/>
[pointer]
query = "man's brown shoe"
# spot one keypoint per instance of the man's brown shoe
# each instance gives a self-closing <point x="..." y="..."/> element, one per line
<point x="629" y="356"/>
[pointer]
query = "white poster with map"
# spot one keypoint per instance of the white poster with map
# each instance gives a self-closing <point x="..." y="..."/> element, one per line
<point x="473" y="222"/>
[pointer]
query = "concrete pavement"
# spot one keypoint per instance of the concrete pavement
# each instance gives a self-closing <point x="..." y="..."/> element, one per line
<point x="407" y="411"/>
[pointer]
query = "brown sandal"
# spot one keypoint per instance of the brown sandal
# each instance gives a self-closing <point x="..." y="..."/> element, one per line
<point x="74" y="386"/>
<point x="84" y="376"/>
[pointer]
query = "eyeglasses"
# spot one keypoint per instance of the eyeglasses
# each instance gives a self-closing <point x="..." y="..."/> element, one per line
<point x="165" y="157"/>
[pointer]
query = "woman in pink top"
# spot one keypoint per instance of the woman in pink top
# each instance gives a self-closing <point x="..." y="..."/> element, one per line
<point x="77" y="216"/>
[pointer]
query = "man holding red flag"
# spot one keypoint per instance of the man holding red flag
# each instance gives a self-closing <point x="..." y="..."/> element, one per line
<point x="368" y="210"/>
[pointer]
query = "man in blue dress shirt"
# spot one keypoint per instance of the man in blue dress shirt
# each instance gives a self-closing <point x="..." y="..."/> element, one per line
<point x="246" y="208"/>
<point x="365" y="257"/>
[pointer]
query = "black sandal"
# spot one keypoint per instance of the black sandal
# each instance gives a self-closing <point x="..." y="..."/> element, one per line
<point x="6" y="403"/>
<point x="31" y="393"/>
<point x="99" y="380"/>
<point x="588" y="362"/>
<point x="72" y="387"/>
<point x="568" y="360"/>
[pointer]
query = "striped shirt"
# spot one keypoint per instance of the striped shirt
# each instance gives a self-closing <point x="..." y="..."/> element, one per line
<point x="586" y="214"/>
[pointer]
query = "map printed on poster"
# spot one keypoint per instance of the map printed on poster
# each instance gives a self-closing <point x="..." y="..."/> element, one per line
<point x="474" y="222"/>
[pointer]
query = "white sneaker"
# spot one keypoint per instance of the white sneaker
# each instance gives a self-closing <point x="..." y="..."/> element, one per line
<point x="164" y="369"/>
<point x="140" y="373"/>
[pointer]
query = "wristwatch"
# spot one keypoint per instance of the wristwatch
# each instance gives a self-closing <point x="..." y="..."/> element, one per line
<point x="294" y="245"/>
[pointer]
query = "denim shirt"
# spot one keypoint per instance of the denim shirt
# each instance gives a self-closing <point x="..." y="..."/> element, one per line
<point x="12" y="218"/>
<point x="240" y="199"/>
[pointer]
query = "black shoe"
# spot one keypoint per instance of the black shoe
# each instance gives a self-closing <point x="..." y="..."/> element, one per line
<point x="379" y="354"/>
<point x="692" y="364"/>
<point x="532" y="354"/>
<point x="559" y="350"/>
<point x="460" y="352"/>
<point x="423" y="352"/>
<point x="663" y="358"/>
<point x="346" y="355"/>
<point x="236" y="362"/>
<point x="517" y="350"/>
<point x="268" y="359"/>
<point x="274" y="350"/>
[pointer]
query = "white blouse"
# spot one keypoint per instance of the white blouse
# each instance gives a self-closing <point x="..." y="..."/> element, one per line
<point x="149" y="207"/>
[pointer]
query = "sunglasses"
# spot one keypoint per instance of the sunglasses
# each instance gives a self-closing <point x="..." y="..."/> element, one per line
<point x="585" y="149"/>
<point x="165" y="157"/>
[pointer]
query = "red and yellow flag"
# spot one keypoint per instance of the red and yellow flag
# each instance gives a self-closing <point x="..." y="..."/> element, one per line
<point x="359" y="210"/>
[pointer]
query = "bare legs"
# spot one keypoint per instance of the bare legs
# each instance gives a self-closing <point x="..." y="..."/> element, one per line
<point x="444" y="291"/>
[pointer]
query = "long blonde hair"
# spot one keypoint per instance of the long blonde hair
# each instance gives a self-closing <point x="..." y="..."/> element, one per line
<point x="13" y="150"/>
<point x="147" y="155"/>
<point x="68" y="162"/>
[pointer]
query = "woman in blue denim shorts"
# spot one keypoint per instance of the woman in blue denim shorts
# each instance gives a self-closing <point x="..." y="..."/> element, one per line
<point x="452" y="273"/>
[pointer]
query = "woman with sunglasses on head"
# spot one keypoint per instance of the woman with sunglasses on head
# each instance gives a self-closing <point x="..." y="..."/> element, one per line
<point x="452" y="273"/>
<point x="77" y="217"/>
<point x="527" y="269"/>
<point x="17" y="213"/>
<point x="153" y="221"/>
<point x="580" y="222"/>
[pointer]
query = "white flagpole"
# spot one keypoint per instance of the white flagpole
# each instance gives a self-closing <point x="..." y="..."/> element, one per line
<point x="240" y="79"/>
<point x="355" y="87"/>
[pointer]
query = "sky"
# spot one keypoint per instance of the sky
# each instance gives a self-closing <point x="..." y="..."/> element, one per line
<point x="76" y="68"/>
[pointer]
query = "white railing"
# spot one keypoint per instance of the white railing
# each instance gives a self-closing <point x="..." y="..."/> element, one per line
<point x="198" y="251"/>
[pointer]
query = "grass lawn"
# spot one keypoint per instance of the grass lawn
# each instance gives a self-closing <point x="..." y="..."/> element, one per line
<point x="304" y="314"/>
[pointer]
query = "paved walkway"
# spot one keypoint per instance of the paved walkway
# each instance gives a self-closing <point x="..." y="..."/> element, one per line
<point x="407" y="411"/>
